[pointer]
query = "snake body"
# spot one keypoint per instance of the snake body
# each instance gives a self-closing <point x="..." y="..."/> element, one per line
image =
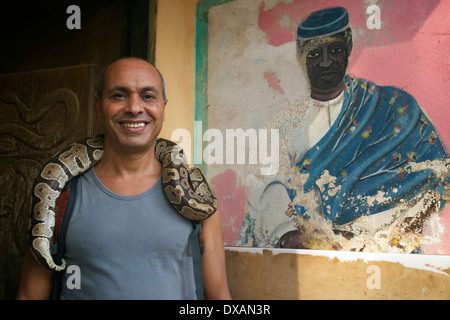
<point x="186" y="189"/>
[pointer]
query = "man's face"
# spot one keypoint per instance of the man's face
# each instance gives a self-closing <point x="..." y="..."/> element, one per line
<point x="132" y="105"/>
<point x="326" y="62"/>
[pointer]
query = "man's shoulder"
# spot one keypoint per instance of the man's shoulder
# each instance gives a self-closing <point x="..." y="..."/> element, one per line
<point x="388" y="95"/>
<point x="390" y="91"/>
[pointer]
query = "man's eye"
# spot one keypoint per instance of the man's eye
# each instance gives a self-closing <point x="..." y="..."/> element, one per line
<point x="313" y="54"/>
<point x="336" y="50"/>
<point x="118" y="96"/>
<point x="149" y="97"/>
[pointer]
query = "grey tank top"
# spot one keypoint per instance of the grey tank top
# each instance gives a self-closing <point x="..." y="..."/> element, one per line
<point x="126" y="247"/>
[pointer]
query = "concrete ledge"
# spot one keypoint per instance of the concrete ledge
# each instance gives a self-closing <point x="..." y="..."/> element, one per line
<point x="258" y="273"/>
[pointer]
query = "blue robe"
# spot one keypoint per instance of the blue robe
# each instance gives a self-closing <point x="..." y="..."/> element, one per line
<point x="379" y="131"/>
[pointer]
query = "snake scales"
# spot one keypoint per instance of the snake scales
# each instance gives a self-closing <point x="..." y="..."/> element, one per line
<point x="186" y="189"/>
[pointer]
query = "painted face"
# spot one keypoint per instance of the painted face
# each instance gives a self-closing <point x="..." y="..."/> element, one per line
<point x="132" y="105"/>
<point x="326" y="63"/>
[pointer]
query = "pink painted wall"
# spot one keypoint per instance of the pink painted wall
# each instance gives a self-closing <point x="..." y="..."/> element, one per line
<point x="231" y="195"/>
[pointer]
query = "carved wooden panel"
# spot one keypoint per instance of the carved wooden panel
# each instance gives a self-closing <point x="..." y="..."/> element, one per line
<point x="40" y="112"/>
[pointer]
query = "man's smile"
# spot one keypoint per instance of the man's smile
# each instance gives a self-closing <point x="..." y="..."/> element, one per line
<point x="133" y="124"/>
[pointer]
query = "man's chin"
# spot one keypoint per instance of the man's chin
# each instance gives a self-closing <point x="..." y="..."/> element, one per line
<point x="133" y="144"/>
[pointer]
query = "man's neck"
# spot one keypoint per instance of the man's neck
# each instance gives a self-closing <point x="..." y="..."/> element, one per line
<point x="128" y="173"/>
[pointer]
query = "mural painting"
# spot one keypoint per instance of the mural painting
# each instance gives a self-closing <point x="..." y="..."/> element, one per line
<point x="355" y="91"/>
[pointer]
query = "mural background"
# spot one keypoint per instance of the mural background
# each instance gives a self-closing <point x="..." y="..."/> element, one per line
<point x="247" y="71"/>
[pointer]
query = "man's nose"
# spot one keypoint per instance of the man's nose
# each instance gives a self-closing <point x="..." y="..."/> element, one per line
<point x="134" y="105"/>
<point x="326" y="61"/>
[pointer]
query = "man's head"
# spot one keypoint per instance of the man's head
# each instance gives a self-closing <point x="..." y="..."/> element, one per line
<point x="131" y="102"/>
<point x="324" y="43"/>
<point x="102" y="77"/>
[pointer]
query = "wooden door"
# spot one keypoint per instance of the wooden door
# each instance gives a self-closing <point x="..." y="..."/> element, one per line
<point x="48" y="76"/>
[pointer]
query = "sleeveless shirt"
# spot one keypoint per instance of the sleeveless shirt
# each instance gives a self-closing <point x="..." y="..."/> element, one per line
<point x="126" y="247"/>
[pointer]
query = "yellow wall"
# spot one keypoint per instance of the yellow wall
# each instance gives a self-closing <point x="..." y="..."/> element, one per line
<point x="260" y="274"/>
<point x="175" y="58"/>
<point x="267" y="274"/>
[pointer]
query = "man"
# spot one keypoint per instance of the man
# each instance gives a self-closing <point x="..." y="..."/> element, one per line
<point x="360" y="154"/>
<point x="124" y="236"/>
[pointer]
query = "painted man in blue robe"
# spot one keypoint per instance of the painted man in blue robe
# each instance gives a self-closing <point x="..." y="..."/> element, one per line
<point x="377" y="133"/>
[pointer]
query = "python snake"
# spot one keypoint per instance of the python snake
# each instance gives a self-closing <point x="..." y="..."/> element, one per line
<point x="185" y="188"/>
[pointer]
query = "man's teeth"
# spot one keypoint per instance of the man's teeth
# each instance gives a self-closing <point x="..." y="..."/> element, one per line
<point x="134" y="125"/>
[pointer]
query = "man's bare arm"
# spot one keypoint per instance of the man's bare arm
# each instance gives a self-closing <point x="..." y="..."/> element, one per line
<point x="35" y="280"/>
<point x="215" y="281"/>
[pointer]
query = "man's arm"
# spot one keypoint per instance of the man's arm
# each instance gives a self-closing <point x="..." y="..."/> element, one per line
<point x="35" y="281"/>
<point x="215" y="281"/>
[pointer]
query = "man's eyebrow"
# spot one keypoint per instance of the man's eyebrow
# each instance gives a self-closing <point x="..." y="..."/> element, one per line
<point x="118" y="88"/>
<point x="150" y="88"/>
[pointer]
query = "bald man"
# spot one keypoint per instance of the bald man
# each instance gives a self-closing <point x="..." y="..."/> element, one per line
<point x="126" y="239"/>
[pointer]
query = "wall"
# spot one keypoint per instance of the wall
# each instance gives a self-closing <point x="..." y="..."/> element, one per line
<point x="175" y="57"/>
<point x="292" y="274"/>
<point x="251" y="52"/>
<point x="261" y="274"/>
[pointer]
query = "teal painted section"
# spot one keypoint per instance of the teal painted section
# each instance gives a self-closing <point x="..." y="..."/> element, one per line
<point x="201" y="76"/>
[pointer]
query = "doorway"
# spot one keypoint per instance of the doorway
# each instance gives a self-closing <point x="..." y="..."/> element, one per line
<point x="48" y="76"/>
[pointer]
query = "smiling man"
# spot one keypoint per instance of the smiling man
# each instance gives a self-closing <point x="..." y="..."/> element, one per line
<point x="131" y="106"/>
<point x="124" y="236"/>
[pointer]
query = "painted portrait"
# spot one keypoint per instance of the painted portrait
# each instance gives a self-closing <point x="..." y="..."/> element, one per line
<point x="341" y="112"/>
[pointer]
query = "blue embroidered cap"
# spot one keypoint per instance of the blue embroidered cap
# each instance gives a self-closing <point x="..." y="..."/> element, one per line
<point x="323" y="23"/>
